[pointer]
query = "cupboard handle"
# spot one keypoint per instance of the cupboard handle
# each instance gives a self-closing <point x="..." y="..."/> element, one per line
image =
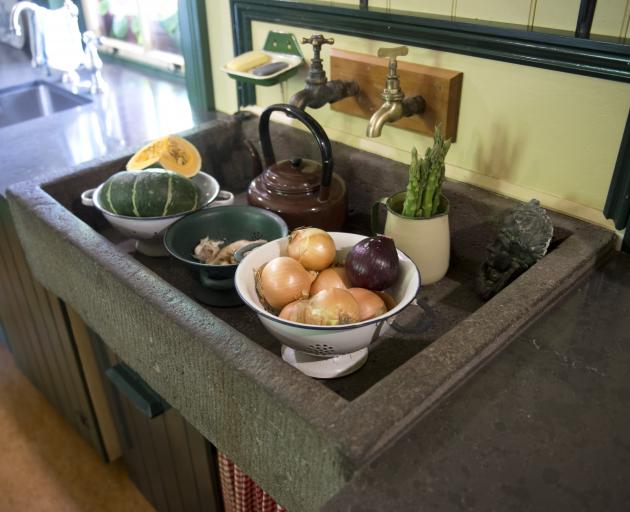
<point x="130" y="385"/>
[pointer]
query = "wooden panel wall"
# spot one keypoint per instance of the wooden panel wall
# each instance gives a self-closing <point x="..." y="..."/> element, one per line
<point x="40" y="340"/>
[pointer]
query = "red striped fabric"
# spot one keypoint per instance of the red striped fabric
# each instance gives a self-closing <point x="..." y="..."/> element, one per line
<point x="241" y="493"/>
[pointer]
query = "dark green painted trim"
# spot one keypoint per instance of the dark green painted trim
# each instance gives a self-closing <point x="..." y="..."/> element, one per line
<point x="550" y="51"/>
<point x="193" y="27"/>
<point x="147" y="69"/>
<point x="82" y="25"/>
<point x="585" y="18"/>
<point x="139" y="393"/>
<point x="617" y="205"/>
<point x="242" y="41"/>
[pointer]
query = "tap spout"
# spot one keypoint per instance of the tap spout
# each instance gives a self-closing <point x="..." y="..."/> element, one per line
<point x="319" y="90"/>
<point x="316" y="95"/>
<point x="300" y="99"/>
<point x="392" y="111"/>
<point x="16" y="11"/>
<point x="387" y="113"/>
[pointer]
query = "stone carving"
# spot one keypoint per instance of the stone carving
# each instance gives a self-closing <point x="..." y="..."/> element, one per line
<point x="522" y="240"/>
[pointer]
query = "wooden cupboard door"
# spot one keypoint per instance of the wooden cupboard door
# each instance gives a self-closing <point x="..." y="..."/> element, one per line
<point x="169" y="461"/>
<point x="39" y="337"/>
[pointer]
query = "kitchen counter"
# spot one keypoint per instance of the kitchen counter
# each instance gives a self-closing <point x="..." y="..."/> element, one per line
<point x="224" y="375"/>
<point x="137" y="107"/>
<point x="544" y="426"/>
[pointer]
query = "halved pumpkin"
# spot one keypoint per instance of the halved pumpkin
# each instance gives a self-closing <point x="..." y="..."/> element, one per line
<point x="172" y="153"/>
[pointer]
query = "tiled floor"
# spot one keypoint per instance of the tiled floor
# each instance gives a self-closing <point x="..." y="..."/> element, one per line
<point x="44" y="465"/>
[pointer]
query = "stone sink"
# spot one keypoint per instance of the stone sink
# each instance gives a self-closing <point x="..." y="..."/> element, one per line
<point x="301" y="439"/>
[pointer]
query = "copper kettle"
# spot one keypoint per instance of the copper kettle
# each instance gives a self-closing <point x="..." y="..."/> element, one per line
<point x="301" y="191"/>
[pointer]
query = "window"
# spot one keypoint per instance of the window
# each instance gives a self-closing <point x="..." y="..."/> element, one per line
<point x="140" y="30"/>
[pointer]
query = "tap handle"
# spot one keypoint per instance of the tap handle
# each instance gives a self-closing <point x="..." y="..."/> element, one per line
<point x="317" y="40"/>
<point x="392" y="53"/>
<point x="392" y="90"/>
<point x="90" y="38"/>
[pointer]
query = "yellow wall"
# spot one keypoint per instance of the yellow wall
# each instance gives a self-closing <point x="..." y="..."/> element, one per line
<point x="523" y="132"/>
<point x="611" y="19"/>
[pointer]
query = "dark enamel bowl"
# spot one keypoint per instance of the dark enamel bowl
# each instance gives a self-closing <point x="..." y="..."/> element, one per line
<point x="227" y="223"/>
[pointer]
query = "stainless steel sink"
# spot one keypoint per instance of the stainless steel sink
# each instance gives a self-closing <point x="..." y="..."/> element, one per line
<point x="35" y="99"/>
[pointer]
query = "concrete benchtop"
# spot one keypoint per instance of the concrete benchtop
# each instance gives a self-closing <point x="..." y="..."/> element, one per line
<point x="137" y="107"/>
<point x="301" y="439"/>
<point x="544" y="426"/>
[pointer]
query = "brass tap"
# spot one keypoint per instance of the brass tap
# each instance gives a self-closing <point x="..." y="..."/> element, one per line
<point x="395" y="105"/>
<point x="319" y="90"/>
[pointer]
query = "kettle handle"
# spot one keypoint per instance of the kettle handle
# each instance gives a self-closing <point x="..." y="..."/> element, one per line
<point x="316" y="129"/>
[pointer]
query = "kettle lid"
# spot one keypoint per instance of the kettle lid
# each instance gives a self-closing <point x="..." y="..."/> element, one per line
<point x="295" y="176"/>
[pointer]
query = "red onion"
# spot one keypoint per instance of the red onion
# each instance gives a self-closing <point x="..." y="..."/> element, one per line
<point x="373" y="263"/>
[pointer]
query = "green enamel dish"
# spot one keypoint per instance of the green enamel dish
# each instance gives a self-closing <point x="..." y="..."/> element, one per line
<point x="225" y="223"/>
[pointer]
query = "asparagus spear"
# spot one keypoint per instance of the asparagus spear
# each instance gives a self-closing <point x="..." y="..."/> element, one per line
<point x="446" y="145"/>
<point x="440" y="148"/>
<point x="425" y="169"/>
<point x="426" y="175"/>
<point x="412" y="196"/>
<point x="438" y="190"/>
<point x="431" y="186"/>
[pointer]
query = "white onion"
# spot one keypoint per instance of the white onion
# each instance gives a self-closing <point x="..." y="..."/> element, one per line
<point x="334" y="306"/>
<point x="312" y="247"/>
<point x="284" y="280"/>
<point x="333" y="277"/>
<point x="370" y="304"/>
<point x="390" y="302"/>
<point x="294" y="311"/>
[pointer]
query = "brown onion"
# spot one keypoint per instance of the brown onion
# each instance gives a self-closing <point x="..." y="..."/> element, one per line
<point x="294" y="311"/>
<point x="390" y="302"/>
<point x="334" y="306"/>
<point x="312" y="247"/>
<point x="283" y="280"/>
<point x="370" y="304"/>
<point x="333" y="277"/>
